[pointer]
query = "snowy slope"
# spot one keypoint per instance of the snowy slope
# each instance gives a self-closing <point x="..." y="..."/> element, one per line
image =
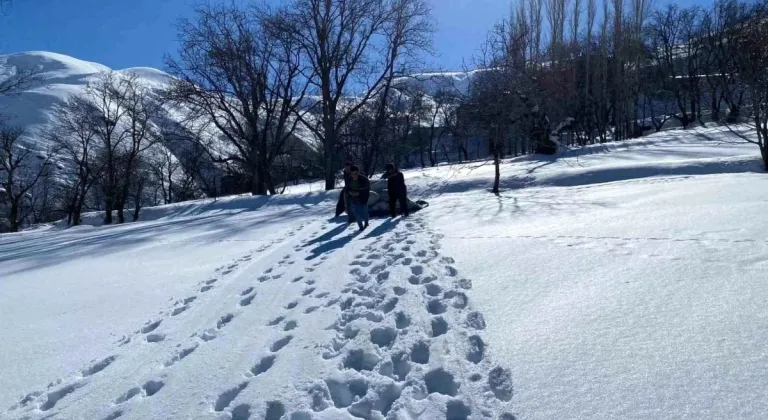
<point x="56" y="77"/>
<point x="623" y="281"/>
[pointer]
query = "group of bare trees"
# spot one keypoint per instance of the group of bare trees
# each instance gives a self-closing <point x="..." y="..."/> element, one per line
<point x="104" y="149"/>
<point x="249" y="75"/>
<point x="635" y="70"/>
<point x="262" y="96"/>
<point x="103" y="138"/>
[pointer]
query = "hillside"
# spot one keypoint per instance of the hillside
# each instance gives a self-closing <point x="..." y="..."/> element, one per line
<point x="56" y="77"/>
<point x="621" y="281"/>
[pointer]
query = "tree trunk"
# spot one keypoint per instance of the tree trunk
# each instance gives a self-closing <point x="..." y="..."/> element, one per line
<point x="77" y="216"/>
<point x="13" y="217"/>
<point x="121" y="213"/>
<point x="136" y="210"/>
<point x="108" y="211"/>
<point x="329" y="151"/>
<point x="497" y="176"/>
<point x="257" y="180"/>
<point x="496" y="162"/>
<point x="764" y="154"/>
<point x="715" y="107"/>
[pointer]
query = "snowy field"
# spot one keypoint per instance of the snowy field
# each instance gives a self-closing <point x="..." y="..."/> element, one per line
<point x="623" y="281"/>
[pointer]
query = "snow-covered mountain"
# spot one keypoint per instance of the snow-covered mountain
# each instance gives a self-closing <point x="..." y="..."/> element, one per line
<point x="57" y="76"/>
<point x="620" y="281"/>
<point x="432" y="83"/>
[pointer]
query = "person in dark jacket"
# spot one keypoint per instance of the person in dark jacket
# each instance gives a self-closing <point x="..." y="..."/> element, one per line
<point x="359" y="191"/>
<point x="344" y="199"/>
<point x="397" y="190"/>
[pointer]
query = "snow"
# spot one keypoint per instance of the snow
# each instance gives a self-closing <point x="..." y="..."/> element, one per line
<point x="452" y="82"/>
<point x="619" y="281"/>
<point x="56" y="77"/>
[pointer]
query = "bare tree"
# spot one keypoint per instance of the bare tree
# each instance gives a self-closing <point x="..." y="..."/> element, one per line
<point x="21" y="168"/>
<point x="556" y="13"/>
<point x="676" y="57"/>
<point x="353" y="43"/>
<point x="142" y="108"/>
<point x="501" y="97"/>
<point x="74" y="135"/>
<point x="751" y="54"/>
<point x="23" y="79"/>
<point x="165" y="168"/>
<point x="106" y="93"/>
<point x="535" y="28"/>
<point x="240" y="72"/>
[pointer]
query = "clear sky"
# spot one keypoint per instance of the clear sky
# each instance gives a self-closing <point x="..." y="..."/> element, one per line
<point x="133" y="33"/>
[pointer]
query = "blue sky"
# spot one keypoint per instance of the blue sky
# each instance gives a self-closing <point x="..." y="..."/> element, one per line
<point x="132" y="33"/>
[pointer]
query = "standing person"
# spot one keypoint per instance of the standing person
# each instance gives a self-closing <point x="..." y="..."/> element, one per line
<point x="397" y="190"/>
<point x="359" y="191"/>
<point x="344" y="200"/>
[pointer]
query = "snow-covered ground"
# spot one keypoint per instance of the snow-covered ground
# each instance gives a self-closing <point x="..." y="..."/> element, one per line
<point x="623" y="281"/>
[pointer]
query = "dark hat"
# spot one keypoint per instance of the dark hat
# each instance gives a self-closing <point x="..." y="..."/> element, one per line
<point x="354" y="168"/>
<point x="389" y="166"/>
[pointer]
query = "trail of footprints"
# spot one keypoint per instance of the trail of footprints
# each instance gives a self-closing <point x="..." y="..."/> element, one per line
<point x="392" y="361"/>
<point x="47" y="400"/>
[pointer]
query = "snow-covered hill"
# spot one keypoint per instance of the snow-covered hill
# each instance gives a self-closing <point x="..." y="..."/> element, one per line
<point x="56" y="77"/>
<point x="623" y="281"/>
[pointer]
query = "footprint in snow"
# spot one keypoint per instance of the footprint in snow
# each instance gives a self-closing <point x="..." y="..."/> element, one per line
<point x="224" y="320"/>
<point x="150" y="326"/>
<point x="206" y="288"/>
<point x="279" y="344"/>
<point x="247" y="300"/>
<point x="226" y="397"/>
<point x="98" y="367"/>
<point x="264" y="365"/>
<point x="179" y="310"/>
<point x="241" y="412"/>
<point x="181" y="355"/>
<point x="275" y="410"/>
